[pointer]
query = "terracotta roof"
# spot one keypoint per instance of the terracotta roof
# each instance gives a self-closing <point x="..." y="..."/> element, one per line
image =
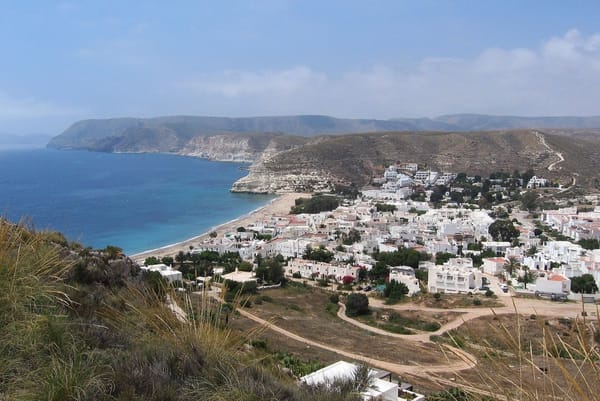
<point x="557" y="277"/>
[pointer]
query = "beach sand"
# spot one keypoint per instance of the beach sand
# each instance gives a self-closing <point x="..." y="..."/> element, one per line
<point x="279" y="206"/>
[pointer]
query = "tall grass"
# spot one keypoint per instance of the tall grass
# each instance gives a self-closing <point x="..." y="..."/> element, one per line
<point x="537" y="364"/>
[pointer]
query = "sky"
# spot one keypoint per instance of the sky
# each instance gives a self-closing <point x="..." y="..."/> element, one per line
<point x="62" y="61"/>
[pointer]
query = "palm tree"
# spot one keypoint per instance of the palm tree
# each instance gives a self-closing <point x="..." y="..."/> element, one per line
<point x="511" y="265"/>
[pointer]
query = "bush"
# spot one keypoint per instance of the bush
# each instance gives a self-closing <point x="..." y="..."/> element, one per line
<point x="296" y="275"/>
<point x="357" y="304"/>
<point x="477" y="302"/>
<point x="489" y="293"/>
<point x="334" y="299"/>
<point x="347" y="280"/>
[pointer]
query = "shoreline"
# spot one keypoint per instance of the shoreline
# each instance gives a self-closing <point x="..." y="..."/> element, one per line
<point x="280" y="206"/>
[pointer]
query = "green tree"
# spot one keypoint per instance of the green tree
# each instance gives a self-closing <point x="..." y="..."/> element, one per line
<point x="352" y="237"/>
<point x="503" y="230"/>
<point x="357" y="304"/>
<point x="590" y="243"/>
<point x="167" y="260"/>
<point x="395" y="291"/>
<point x="443" y="257"/>
<point x="529" y="201"/>
<point x="152" y="260"/>
<point x="384" y="207"/>
<point x="584" y="284"/>
<point x="320" y="254"/>
<point x="527" y="277"/>
<point x="511" y="265"/>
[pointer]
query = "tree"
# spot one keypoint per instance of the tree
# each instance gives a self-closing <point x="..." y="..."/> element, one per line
<point x="527" y="277"/>
<point x="442" y="257"/>
<point x="384" y="207"/>
<point x="590" y="243"/>
<point x="503" y="230"/>
<point x="378" y="272"/>
<point x="320" y="254"/>
<point x="213" y="234"/>
<point x="584" y="284"/>
<point x="395" y="291"/>
<point x="357" y="304"/>
<point x="167" y="260"/>
<point x="352" y="237"/>
<point x="270" y="271"/>
<point x="511" y="265"/>
<point x="529" y="201"/>
<point x="180" y="257"/>
<point x="347" y="279"/>
<point x="152" y="260"/>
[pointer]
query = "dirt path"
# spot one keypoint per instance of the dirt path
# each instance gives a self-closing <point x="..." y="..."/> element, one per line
<point x="465" y="360"/>
<point x="551" y="166"/>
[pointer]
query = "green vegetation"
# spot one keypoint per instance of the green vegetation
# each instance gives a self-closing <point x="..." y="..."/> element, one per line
<point x="352" y="237"/>
<point x="89" y="327"/>
<point x="591" y="243"/>
<point x="319" y="254"/>
<point x="316" y="204"/>
<point x="503" y="230"/>
<point x="384" y="207"/>
<point x="357" y="304"/>
<point x="584" y="284"/>
<point x="270" y="271"/>
<point x="394" y="291"/>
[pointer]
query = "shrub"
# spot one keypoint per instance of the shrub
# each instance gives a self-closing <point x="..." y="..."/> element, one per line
<point x="477" y="302"/>
<point x="357" y="304"/>
<point x="489" y="293"/>
<point x="296" y="275"/>
<point x="347" y="280"/>
<point x="334" y="299"/>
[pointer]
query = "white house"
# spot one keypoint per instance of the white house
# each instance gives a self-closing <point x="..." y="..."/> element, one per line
<point x="537" y="182"/>
<point x="493" y="266"/>
<point x="165" y="271"/>
<point x="455" y="276"/>
<point x="405" y="275"/>
<point x="553" y="283"/>
<point x="379" y="389"/>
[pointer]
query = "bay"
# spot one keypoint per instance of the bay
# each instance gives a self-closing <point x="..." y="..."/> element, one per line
<point x="134" y="201"/>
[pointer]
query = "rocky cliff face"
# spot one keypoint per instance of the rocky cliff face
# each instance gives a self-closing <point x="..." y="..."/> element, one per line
<point x="222" y="148"/>
<point x="264" y="176"/>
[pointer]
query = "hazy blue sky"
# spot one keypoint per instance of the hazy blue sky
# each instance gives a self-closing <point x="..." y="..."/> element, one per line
<point x="66" y="60"/>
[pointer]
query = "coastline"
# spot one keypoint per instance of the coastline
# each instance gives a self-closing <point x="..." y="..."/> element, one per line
<point x="279" y="206"/>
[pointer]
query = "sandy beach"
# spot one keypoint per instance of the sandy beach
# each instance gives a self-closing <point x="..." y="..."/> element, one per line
<point x="279" y="206"/>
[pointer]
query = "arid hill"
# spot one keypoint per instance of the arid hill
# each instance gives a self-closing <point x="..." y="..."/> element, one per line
<point x="356" y="158"/>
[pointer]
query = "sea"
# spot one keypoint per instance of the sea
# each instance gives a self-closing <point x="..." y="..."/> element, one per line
<point x="134" y="201"/>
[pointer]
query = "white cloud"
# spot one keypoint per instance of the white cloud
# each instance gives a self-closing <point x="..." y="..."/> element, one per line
<point x="559" y="77"/>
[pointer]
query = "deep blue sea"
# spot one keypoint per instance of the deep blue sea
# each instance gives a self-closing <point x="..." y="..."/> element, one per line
<point x="134" y="201"/>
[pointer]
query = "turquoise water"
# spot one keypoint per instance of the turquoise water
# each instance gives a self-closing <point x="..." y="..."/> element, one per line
<point x="134" y="201"/>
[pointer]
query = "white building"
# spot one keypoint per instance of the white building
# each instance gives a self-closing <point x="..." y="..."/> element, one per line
<point x="165" y="271"/>
<point x="379" y="389"/>
<point x="457" y="275"/>
<point x="405" y="275"/>
<point x="537" y="182"/>
<point x="493" y="266"/>
<point x="553" y="283"/>
<point x="322" y="270"/>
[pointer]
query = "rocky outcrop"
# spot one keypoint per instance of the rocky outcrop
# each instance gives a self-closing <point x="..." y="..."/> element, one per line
<point x="263" y="178"/>
<point x="222" y="148"/>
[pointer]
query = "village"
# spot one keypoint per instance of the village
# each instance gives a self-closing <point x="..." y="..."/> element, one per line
<point x="413" y="232"/>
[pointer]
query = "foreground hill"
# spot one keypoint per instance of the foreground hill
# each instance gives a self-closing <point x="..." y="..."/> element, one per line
<point x="326" y="161"/>
<point x="78" y="324"/>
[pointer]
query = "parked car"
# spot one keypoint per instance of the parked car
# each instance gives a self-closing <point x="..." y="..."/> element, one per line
<point x="504" y="287"/>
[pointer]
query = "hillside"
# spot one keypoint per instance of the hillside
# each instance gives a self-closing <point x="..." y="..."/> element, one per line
<point x="82" y="324"/>
<point x="326" y="161"/>
<point x="173" y="134"/>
